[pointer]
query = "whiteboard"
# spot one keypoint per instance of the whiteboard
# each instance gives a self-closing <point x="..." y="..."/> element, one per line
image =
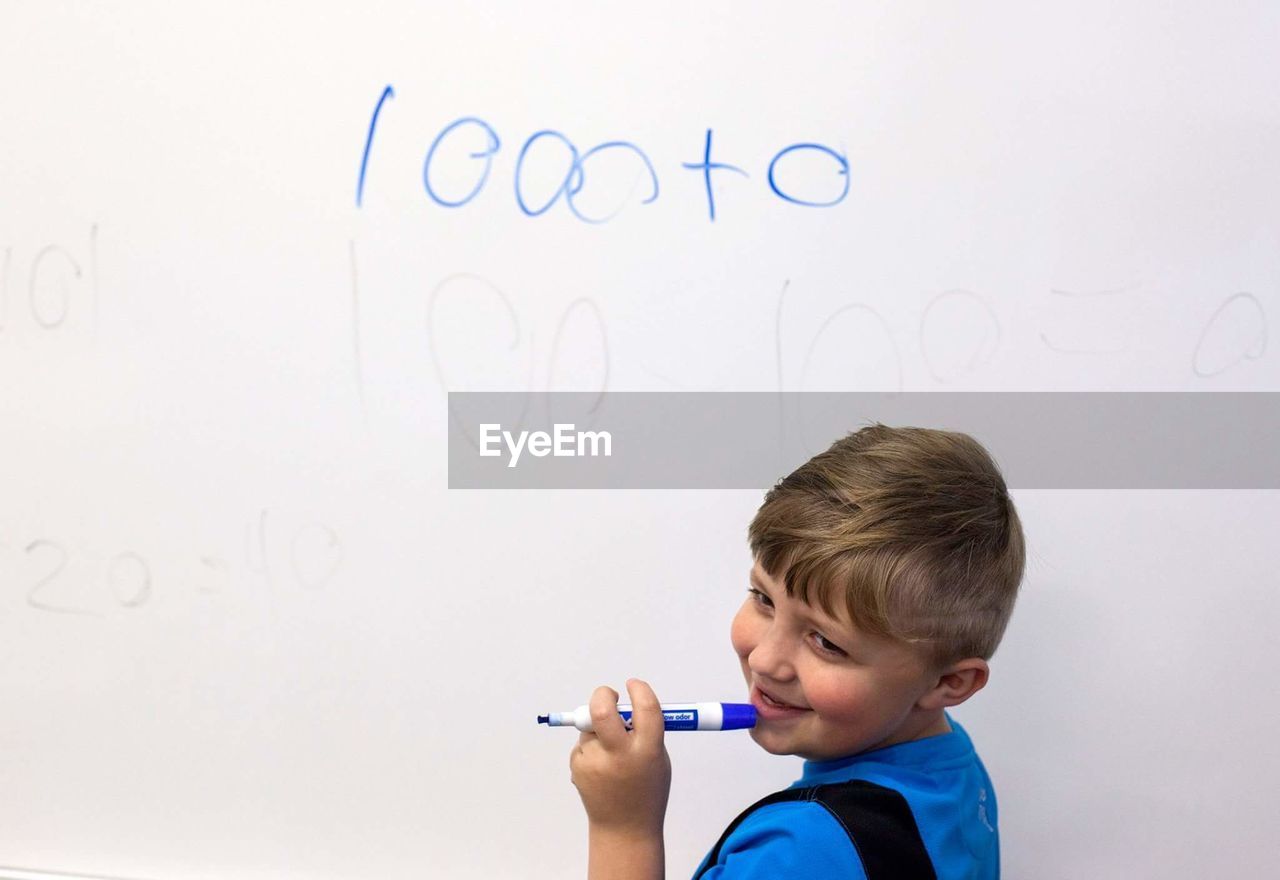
<point x="246" y="629"/>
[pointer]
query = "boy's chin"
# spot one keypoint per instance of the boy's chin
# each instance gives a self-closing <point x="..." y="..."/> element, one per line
<point x="774" y="745"/>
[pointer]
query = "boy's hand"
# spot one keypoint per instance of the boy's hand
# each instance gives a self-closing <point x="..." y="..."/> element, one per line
<point x="623" y="777"/>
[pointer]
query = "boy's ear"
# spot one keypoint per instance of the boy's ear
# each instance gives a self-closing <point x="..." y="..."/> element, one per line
<point x="957" y="683"/>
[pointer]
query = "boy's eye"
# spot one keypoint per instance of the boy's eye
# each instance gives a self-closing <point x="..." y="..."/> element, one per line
<point x="827" y="645"/>
<point x="760" y="598"/>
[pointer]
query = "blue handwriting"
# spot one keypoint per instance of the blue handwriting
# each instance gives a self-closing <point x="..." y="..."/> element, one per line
<point x="572" y="182"/>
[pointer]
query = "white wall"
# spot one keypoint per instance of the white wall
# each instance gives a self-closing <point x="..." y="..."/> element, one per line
<point x="240" y="613"/>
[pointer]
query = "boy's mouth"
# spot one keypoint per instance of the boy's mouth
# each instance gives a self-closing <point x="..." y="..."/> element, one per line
<point x="768" y="706"/>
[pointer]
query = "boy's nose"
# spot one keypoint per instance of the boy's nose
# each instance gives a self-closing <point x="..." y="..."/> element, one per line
<point x="771" y="659"/>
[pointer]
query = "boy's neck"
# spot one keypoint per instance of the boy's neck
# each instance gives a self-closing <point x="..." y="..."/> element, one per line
<point x="940" y="726"/>
<point x="933" y="724"/>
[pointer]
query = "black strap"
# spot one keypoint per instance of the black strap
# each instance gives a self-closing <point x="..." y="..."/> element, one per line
<point x="877" y="819"/>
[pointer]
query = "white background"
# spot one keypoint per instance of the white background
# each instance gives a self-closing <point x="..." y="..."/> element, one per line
<point x="246" y="630"/>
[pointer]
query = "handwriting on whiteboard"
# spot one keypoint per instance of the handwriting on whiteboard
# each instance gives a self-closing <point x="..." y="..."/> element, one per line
<point x="58" y="574"/>
<point x="552" y="169"/>
<point x="54" y="288"/>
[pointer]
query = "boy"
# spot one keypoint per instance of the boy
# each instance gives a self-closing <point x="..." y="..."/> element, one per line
<point x="885" y="571"/>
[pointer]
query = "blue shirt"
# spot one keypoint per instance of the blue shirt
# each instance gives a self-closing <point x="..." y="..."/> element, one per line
<point x="944" y="783"/>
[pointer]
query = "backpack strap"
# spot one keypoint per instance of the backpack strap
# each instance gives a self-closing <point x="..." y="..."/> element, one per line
<point x="877" y="819"/>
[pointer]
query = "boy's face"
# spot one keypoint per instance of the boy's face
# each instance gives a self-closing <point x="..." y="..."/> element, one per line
<point x="822" y="689"/>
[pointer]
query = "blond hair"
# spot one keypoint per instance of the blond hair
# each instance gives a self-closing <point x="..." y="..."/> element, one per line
<point x="913" y="527"/>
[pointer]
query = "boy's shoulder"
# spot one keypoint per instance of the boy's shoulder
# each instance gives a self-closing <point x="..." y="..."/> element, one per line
<point x="826" y="830"/>
<point x="905" y="811"/>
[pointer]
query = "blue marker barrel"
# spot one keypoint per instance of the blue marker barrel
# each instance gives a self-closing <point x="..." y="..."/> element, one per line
<point x="675" y="716"/>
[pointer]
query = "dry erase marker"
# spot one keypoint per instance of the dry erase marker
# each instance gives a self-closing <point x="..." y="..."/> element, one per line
<point x="675" y="716"/>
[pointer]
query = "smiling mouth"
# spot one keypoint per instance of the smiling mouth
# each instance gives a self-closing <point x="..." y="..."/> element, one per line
<point x="768" y="702"/>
